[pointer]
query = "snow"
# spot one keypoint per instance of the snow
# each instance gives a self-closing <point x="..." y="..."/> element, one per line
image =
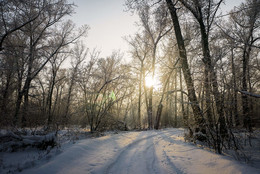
<point x="159" y="152"/>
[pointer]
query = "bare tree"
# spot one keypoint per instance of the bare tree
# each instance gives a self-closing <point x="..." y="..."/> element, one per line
<point x="79" y="54"/>
<point x="155" y="29"/>
<point x="12" y="17"/>
<point x="243" y="32"/>
<point x="101" y="93"/>
<point x="204" y="12"/>
<point x="34" y="40"/>
<point x="141" y="50"/>
<point x="185" y="66"/>
<point x="56" y="63"/>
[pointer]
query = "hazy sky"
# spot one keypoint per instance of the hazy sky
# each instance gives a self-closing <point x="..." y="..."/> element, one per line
<point x="109" y="22"/>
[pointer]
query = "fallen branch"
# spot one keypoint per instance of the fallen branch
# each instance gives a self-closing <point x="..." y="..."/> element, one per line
<point x="249" y="94"/>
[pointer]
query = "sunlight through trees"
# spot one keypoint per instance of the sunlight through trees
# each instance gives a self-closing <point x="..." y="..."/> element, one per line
<point x="190" y="67"/>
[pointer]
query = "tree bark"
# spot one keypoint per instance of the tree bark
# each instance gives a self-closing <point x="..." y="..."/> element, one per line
<point x="234" y="98"/>
<point x="140" y="96"/>
<point x="49" y="100"/>
<point x="146" y="96"/>
<point x="160" y="106"/>
<point x="150" y="108"/>
<point x="246" y="116"/>
<point x="185" y="67"/>
<point x="175" y="100"/>
<point x="184" y="116"/>
<point x="210" y="74"/>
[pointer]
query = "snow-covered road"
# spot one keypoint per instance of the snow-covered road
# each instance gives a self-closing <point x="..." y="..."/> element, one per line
<point x="147" y="152"/>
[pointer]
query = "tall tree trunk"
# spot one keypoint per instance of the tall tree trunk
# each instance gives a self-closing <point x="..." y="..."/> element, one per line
<point x="146" y="96"/>
<point x="150" y="100"/>
<point x="28" y="81"/>
<point x="25" y="108"/>
<point x="19" y="98"/>
<point x="209" y="72"/>
<point x="5" y="100"/>
<point x="246" y="116"/>
<point x="229" y="110"/>
<point x="140" y="96"/>
<point x="185" y="67"/>
<point x="17" y="108"/>
<point x="66" y="115"/>
<point x="26" y="100"/>
<point x="150" y="108"/>
<point x="207" y="96"/>
<point x="168" y="106"/>
<point x="70" y="90"/>
<point x="175" y="100"/>
<point x="55" y="102"/>
<point x="184" y="116"/>
<point x="49" y="100"/>
<point x="235" y="107"/>
<point x="160" y="106"/>
<point x="251" y="105"/>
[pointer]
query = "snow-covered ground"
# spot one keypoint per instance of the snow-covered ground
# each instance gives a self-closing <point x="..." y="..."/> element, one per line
<point x="145" y="152"/>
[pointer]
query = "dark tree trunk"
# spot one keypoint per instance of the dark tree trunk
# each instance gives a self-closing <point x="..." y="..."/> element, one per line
<point x="175" y="100"/>
<point x="185" y="67"/>
<point x="246" y="116"/>
<point x="160" y="105"/>
<point x="49" y="100"/>
<point x="185" y="118"/>
<point x="17" y="108"/>
<point x="158" y="116"/>
<point x="146" y="96"/>
<point x="140" y="96"/>
<point x="150" y="108"/>
<point x="211" y="74"/>
<point x="5" y="99"/>
<point x="207" y="96"/>
<point x="234" y="103"/>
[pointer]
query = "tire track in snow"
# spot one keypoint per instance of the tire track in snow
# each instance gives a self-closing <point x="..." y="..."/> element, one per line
<point x="130" y="151"/>
<point x="150" y="165"/>
<point x="171" y="164"/>
<point x="167" y="158"/>
<point x="148" y="148"/>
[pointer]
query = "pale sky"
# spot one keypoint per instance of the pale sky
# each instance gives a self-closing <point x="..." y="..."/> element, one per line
<point x="109" y="22"/>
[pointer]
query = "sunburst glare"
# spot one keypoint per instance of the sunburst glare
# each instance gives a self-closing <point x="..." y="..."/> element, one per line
<point x="152" y="82"/>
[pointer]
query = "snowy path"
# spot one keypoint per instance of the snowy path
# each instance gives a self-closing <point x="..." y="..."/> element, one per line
<point x="147" y="152"/>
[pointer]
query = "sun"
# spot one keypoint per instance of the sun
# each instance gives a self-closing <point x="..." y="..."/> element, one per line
<point x="152" y="82"/>
<point x="149" y="81"/>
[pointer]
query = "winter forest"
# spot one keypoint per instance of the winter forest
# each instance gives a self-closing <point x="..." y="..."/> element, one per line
<point x="192" y="80"/>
